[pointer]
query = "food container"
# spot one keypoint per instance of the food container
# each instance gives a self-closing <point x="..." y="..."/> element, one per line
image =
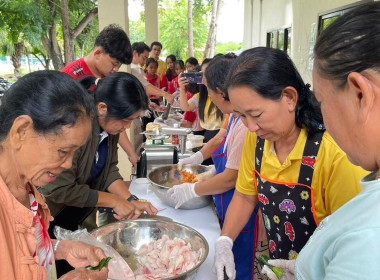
<point x="195" y="140"/>
<point x="164" y="177"/>
<point x="129" y="235"/>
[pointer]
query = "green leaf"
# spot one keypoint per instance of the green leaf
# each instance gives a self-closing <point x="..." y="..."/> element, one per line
<point x="101" y="264"/>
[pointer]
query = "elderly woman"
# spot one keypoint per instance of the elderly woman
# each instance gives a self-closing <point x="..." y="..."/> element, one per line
<point x="290" y="165"/>
<point x="44" y="118"/>
<point x="347" y="83"/>
<point x="226" y="158"/>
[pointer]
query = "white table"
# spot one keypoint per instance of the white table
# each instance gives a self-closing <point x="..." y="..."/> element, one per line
<point x="203" y="220"/>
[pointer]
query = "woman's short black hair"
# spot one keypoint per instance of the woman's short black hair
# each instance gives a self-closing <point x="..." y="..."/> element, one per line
<point x="180" y="63"/>
<point x="268" y="71"/>
<point x="149" y="61"/>
<point x="50" y="98"/>
<point x="192" y="61"/>
<point x="122" y="92"/>
<point x="115" y="42"/>
<point x="350" y="44"/>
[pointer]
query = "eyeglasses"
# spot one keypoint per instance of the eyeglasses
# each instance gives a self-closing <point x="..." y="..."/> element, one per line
<point x="116" y="64"/>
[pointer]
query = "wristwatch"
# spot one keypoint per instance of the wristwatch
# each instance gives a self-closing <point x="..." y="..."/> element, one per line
<point x="132" y="197"/>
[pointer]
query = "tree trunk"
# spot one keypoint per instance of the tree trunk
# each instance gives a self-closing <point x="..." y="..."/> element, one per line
<point x="211" y="40"/>
<point x="190" y="26"/>
<point x="50" y="42"/>
<point x="28" y="60"/>
<point x="68" y="42"/>
<point x="45" y="62"/>
<point x="69" y="35"/>
<point x="16" y="58"/>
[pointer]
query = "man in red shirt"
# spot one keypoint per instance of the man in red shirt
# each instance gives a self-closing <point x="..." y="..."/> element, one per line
<point x="112" y="48"/>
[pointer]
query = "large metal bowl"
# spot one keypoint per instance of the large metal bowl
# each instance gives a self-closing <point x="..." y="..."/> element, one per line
<point x="129" y="235"/>
<point x="164" y="177"/>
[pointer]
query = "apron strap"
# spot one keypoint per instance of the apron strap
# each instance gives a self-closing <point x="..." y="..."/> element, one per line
<point x="232" y="122"/>
<point x="259" y="153"/>
<point x="309" y="158"/>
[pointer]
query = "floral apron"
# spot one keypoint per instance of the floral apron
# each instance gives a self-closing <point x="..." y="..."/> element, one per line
<point x="244" y="244"/>
<point x="288" y="207"/>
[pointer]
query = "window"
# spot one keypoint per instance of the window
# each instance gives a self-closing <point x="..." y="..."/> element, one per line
<point x="326" y="18"/>
<point x="280" y="39"/>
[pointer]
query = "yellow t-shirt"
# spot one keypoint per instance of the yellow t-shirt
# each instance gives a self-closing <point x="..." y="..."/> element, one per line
<point x="211" y="122"/>
<point x="162" y="67"/>
<point x="335" y="179"/>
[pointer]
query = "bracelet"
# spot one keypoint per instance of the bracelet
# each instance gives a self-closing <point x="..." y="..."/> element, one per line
<point x="56" y="246"/>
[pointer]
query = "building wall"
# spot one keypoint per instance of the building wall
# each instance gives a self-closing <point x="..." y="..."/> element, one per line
<point x="262" y="16"/>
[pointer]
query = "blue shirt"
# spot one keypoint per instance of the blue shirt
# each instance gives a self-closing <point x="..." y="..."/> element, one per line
<point x="346" y="245"/>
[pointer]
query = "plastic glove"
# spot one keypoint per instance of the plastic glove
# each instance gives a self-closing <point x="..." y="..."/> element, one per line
<point x="82" y="273"/>
<point x="224" y="258"/>
<point x="196" y="158"/>
<point x="266" y="270"/>
<point x="286" y="265"/>
<point x="206" y="175"/>
<point x="182" y="193"/>
<point x="147" y="114"/>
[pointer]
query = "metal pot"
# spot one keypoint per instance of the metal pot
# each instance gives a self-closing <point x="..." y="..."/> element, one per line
<point x="129" y="235"/>
<point x="165" y="177"/>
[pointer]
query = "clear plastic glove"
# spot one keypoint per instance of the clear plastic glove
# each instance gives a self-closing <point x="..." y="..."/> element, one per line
<point x="85" y="274"/>
<point x="182" y="193"/>
<point x="78" y="255"/>
<point x="196" y="158"/>
<point x="224" y="258"/>
<point x="147" y="114"/>
<point x="286" y="265"/>
<point x="206" y="175"/>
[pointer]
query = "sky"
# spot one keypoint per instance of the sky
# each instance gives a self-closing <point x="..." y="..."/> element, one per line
<point x="230" y="23"/>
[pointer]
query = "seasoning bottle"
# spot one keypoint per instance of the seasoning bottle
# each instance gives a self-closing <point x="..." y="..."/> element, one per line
<point x="175" y="138"/>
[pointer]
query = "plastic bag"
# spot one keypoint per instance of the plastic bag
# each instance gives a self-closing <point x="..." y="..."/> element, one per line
<point x="118" y="268"/>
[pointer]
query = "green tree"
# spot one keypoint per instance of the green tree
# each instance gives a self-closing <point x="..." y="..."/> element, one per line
<point x="18" y="31"/>
<point x="46" y="27"/>
<point x="173" y="26"/>
<point x="137" y="30"/>
<point x="228" y="47"/>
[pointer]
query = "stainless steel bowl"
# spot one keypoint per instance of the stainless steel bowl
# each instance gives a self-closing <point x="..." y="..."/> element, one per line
<point x="129" y="235"/>
<point x="165" y="177"/>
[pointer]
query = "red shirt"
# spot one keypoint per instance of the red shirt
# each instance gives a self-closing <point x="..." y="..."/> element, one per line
<point x="173" y="85"/>
<point x="154" y="81"/>
<point x="77" y="69"/>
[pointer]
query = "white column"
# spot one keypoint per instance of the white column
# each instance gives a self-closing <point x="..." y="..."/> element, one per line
<point x="151" y="21"/>
<point x="113" y="11"/>
<point x="116" y="11"/>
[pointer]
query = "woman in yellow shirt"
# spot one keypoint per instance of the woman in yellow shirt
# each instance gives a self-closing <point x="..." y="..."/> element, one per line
<point x="290" y="165"/>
